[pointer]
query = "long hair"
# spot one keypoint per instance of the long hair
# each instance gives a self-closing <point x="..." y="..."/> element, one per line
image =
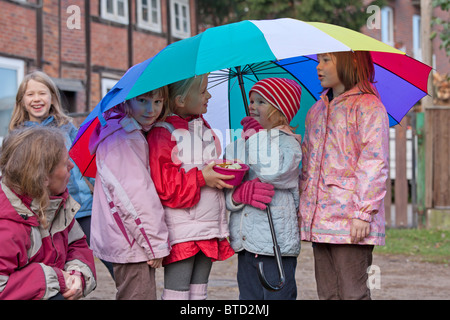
<point x="356" y="68"/>
<point x="20" y="114"/>
<point x="27" y="157"/>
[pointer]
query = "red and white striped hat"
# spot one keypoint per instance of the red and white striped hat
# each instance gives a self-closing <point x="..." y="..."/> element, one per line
<point x="283" y="94"/>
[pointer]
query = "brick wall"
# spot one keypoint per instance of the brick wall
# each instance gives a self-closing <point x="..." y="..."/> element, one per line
<point x="64" y="50"/>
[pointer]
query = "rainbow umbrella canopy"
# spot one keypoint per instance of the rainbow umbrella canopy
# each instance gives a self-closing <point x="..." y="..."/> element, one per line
<point x="239" y="54"/>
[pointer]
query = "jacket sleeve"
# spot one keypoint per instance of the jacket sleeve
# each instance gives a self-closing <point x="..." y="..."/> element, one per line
<point x="372" y="166"/>
<point x="275" y="157"/>
<point x="126" y="180"/>
<point x="20" y="280"/>
<point x="176" y="187"/>
<point x="80" y="257"/>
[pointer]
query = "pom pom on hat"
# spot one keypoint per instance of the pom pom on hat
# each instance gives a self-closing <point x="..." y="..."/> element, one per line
<point x="283" y="94"/>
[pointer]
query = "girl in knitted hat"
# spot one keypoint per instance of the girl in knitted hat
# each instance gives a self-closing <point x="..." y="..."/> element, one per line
<point x="272" y="150"/>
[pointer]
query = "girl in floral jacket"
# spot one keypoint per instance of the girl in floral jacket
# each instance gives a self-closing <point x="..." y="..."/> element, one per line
<point x="344" y="173"/>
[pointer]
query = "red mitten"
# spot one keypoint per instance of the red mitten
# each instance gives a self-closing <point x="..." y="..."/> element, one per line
<point x="254" y="193"/>
<point x="251" y="126"/>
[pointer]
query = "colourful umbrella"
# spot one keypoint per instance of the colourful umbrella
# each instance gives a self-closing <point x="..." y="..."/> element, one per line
<point x="251" y="50"/>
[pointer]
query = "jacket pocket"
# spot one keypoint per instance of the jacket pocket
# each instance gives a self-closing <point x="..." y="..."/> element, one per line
<point x="338" y="194"/>
<point x="346" y="183"/>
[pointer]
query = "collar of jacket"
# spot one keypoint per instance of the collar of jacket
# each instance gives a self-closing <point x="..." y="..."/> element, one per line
<point x="183" y="123"/>
<point x="22" y="209"/>
<point x="130" y="124"/>
<point x="353" y="91"/>
<point x="46" y="122"/>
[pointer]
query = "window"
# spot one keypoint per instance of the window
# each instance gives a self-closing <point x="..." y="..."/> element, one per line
<point x="107" y="84"/>
<point x="387" y="25"/>
<point x="180" y="16"/>
<point x="115" y="10"/>
<point x="12" y="72"/>
<point x="149" y="15"/>
<point x="417" y="38"/>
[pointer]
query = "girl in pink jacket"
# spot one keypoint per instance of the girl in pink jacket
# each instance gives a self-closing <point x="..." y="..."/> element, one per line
<point x="344" y="173"/>
<point x="128" y="227"/>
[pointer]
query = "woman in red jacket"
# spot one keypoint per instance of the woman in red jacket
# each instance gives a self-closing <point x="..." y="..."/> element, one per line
<point x="44" y="253"/>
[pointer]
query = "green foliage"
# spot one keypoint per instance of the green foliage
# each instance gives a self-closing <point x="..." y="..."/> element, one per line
<point x="347" y="13"/>
<point x="444" y="34"/>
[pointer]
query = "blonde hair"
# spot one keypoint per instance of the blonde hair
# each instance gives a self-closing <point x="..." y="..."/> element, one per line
<point x="26" y="165"/>
<point x="20" y="113"/>
<point x="125" y="107"/>
<point x="277" y="118"/>
<point x="182" y="89"/>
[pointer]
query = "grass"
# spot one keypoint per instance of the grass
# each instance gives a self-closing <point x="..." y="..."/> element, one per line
<point x="429" y="245"/>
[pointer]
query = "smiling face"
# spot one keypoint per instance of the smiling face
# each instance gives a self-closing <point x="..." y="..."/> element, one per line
<point x="260" y="110"/>
<point x="328" y="75"/>
<point x="145" y="109"/>
<point x="59" y="177"/>
<point x="37" y="100"/>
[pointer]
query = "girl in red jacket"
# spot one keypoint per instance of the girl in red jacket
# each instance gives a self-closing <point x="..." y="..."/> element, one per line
<point x="190" y="191"/>
<point x="44" y="253"/>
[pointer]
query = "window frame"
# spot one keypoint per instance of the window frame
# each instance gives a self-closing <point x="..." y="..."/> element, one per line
<point x="114" y="16"/>
<point x="178" y="32"/>
<point x="149" y="25"/>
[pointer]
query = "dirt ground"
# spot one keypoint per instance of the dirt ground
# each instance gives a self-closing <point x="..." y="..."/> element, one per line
<point x="394" y="278"/>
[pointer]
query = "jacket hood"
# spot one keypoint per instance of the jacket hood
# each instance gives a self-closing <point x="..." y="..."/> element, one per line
<point x="113" y="124"/>
<point x="13" y="208"/>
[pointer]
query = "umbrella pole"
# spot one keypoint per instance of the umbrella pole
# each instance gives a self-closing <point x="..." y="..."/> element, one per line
<point x="241" y="85"/>
<point x="277" y="253"/>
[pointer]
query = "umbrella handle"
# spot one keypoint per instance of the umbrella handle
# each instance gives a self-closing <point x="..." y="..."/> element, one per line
<point x="277" y="253"/>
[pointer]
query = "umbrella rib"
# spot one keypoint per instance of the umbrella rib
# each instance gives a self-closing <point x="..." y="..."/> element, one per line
<point x="218" y="82"/>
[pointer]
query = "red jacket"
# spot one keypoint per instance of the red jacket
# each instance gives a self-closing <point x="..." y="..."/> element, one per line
<point x="31" y="257"/>
<point x="195" y="213"/>
<point x="183" y="191"/>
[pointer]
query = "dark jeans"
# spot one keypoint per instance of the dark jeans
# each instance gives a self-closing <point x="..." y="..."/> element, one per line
<point x="250" y="287"/>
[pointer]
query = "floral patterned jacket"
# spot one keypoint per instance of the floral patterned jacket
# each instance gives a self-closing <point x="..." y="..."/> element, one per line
<point x="344" y="168"/>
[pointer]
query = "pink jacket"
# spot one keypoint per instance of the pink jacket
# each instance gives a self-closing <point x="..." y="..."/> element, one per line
<point x="344" y="168"/>
<point x="127" y="223"/>
<point x="32" y="258"/>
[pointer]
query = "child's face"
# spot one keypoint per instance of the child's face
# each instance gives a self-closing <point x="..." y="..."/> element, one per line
<point x="327" y="73"/>
<point x="37" y="100"/>
<point x="196" y="101"/>
<point x="146" y="109"/>
<point x="260" y="109"/>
